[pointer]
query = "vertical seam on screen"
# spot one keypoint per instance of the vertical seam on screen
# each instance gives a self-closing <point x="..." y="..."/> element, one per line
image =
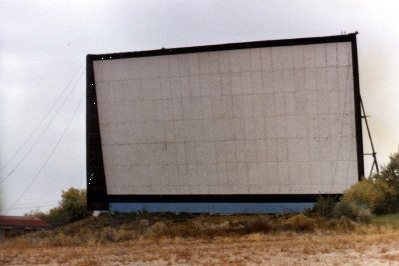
<point x="342" y="124"/>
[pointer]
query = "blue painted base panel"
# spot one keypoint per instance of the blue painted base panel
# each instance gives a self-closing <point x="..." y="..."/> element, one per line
<point x="222" y="208"/>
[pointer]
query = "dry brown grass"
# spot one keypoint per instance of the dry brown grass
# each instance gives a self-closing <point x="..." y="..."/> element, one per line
<point x="367" y="245"/>
<point x="208" y="240"/>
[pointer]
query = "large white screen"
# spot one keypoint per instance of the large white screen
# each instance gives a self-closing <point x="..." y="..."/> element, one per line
<point x="275" y="120"/>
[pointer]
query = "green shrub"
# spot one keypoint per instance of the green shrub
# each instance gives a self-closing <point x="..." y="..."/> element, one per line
<point x="71" y="208"/>
<point x="354" y="211"/>
<point x="378" y="194"/>
<point x="324" y="206"/>
<point x="364" y="194"/>
<point x="390" y="203"/>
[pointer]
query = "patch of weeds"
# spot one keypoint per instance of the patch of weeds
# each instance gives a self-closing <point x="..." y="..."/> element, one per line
<point x="259" y="225"/>
<point x="301" y="222"/>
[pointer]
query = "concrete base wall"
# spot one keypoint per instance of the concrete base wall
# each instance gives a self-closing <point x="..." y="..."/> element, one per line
<point x="222" y="208"/>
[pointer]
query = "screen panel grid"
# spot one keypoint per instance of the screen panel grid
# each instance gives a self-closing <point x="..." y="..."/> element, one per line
<point x="273" y="120"/>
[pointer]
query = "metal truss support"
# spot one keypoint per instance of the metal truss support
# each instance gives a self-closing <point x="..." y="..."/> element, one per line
<point x="373" y="153"/>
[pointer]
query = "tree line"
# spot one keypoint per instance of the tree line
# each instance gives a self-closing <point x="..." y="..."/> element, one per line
<point x="71" y="208"/>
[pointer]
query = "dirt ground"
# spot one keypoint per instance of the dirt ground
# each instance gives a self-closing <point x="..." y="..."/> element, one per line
<point x="287" y="248"/>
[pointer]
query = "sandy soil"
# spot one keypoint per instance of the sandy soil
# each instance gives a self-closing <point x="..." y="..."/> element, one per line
<point x="255" y="249"/>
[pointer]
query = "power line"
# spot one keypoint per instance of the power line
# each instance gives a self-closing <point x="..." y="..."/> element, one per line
<point x="48" y="157"/>
<point x="44" y="118"/>
<point x="44" y="130"/>
<point x="21" y="207"/>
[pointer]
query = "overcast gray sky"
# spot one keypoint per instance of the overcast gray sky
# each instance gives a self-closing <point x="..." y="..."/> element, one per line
<point x="43" y="45"/>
